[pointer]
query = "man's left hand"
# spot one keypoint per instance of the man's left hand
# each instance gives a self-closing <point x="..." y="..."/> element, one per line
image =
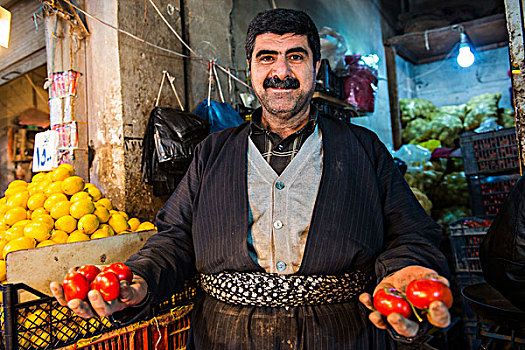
<point x="438" y="314"/>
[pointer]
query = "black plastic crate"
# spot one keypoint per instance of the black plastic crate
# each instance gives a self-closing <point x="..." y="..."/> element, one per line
<point x="44" y="324"/>
<point x="487" y="193"/>
<point x="466" y="236"/>
<point x="490" y="152"/>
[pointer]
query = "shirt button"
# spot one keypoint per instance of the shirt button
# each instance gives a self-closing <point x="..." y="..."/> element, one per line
<point x="277" y="224"/>
<point x="280" y="147"/>
<point x="279" y="185"/>
<point x="281" y="266"/>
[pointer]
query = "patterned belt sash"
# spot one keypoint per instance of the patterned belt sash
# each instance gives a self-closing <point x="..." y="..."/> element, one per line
<point x="264" y="289"/>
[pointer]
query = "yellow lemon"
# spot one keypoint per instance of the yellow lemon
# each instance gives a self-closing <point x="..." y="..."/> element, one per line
<point x="18" y="244"/>
<point x="60" y="209"/>
<point x="21" y="223"/>
<point x="123" y="232"/>
<point x="59" y="313"/>
<point x="18" y="200"/>
<point x="72" y="185"/>
<point x="12" y="191"/>
<point x="59" y="236"/>
<point x="99" y="234"/>
<point x="14" y="233"/>
<point x="77" y="236"/>
<point x="107" y="228"/>
<point x="124" y="214"/>
<point x="118" y="223"/>
<point x="69" y="168"/>
<point x="52" y="199"/>
<point x="47" y="219"/>
<point x="40" y="231"/>
<point x="102" y="213"/>
<point x="3" y="209"/>
<point x="3" y="242"/>
<point x="80" y="195"/>
<point x="133" y="224"/>
<point x="42" y="186"/>
<point x="40" y="339"/>
<point x="54" y="187"/>
<point x="17" y="183"/>
<point x="82" y="207"/>
<point x="93" y="192"/>
<point x="145" y="226"/>
<point x="37" y="212"/>
<point x="3" y="272"/>
<point x="29" y="213"/>
<point x="14" y="215"/>
<point x="106" y="202"/>
<point x="36" y="201"/>
<point x="88" y="224"/>
<point x="59" y="174"/>
<point x="39" y="177"/>
<point x="46" y="243"/>
<point x="3" y="200"/>
<point x="66" y="223"/>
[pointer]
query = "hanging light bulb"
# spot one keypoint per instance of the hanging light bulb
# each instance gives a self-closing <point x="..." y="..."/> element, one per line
<point x="465" y="57"/>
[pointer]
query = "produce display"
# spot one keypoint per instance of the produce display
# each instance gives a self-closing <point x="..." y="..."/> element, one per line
<point x="441" y="186"/>
<point x="423" y="121"/>
<point x="58" y="207"/>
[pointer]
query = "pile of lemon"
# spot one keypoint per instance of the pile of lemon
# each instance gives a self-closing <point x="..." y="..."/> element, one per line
<point x="33" y="332"/>
<point x="58" y="207"/>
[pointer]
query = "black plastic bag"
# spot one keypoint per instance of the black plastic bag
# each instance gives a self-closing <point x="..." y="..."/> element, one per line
<point x="169" y="142"/>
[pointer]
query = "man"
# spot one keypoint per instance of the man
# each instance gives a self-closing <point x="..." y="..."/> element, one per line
<point x="287" y="220"/>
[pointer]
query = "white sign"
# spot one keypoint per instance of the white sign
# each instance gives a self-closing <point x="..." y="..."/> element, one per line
<point x="45" y="156"/>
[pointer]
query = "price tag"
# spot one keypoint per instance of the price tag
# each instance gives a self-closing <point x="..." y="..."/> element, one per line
<point x="45" y="156"/>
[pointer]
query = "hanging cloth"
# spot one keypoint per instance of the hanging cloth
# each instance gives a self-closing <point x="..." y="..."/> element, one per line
<point x="169" y="142"/>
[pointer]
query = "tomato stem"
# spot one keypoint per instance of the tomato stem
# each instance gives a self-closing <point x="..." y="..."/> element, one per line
<point x="415" y="312"/>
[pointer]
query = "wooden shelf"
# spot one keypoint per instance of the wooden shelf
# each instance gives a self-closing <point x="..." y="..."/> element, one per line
<point x="485" y="33"/>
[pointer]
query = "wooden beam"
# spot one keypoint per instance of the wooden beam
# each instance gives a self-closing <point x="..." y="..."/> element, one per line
<point x="515" y="13"/>
<point x="393" y="96"/>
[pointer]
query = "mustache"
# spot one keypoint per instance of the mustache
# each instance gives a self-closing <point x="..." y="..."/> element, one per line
<point x="276" y="83"/>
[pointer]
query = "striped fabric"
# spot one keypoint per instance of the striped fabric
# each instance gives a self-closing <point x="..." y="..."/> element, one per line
<point x="365" y="217"/>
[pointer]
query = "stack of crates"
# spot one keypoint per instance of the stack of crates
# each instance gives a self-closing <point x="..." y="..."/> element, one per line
<point x="466" y="236"/>
<point x="491" y="164"/>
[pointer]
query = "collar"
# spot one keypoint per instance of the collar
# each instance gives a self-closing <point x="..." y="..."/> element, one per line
<point x="257" y="127"/>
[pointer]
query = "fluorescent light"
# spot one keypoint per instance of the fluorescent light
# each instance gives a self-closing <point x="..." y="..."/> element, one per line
<point x="5" y="27"/>
<point x="465" y="57"/>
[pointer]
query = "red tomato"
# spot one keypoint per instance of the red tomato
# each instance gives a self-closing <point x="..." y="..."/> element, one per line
<point x="121" y="270"/>
<point x="422" y="292"/>
<point x="388" y="301"/>
<point x="108" y="284"/>
<point x="89" y="271"/>
<point x="75" y="286"/>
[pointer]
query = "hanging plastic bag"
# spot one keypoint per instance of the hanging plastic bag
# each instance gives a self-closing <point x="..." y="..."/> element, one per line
<point x="219" y="115"/>
<point x="361" y="84"/>
<point x="169" y="142"/>
<point x="414" y="156"/>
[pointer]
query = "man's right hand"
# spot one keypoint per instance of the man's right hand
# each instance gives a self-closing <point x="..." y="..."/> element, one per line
<point x="130" y="294"/>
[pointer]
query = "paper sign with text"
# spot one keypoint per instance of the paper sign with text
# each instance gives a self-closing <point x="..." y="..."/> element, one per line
<point x="45" y="156"/>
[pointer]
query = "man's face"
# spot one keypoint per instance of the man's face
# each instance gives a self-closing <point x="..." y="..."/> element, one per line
<point x="283" y="73"/>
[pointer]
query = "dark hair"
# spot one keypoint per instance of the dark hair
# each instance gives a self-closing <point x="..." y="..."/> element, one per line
<point x="280" y="22"/>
